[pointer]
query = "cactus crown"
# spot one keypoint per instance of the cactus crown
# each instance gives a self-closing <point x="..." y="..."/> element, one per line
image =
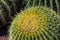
<point x="35" y="23"/>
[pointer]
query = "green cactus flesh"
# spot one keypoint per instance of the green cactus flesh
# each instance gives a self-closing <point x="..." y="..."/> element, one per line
<point x="35" y="23"/>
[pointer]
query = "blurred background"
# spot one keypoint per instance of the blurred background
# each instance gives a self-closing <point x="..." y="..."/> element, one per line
<point x="10" y="8"/>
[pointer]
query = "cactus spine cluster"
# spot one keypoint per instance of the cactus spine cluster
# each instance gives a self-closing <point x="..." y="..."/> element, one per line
<point x="35" y="23"/>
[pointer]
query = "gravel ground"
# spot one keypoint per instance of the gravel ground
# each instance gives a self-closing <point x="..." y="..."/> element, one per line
<point x="3" y="37"/>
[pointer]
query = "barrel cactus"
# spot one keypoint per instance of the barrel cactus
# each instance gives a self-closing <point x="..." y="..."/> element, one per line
<point x="35" y="23"/>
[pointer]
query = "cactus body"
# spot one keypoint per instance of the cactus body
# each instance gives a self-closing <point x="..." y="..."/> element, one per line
<point x="35" y="23"/>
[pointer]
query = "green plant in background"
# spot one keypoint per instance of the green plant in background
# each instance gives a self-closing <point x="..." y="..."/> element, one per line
<point x="5" y="11"/>
<point x="8" y="9"/>
<point x="35" y="22"/>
